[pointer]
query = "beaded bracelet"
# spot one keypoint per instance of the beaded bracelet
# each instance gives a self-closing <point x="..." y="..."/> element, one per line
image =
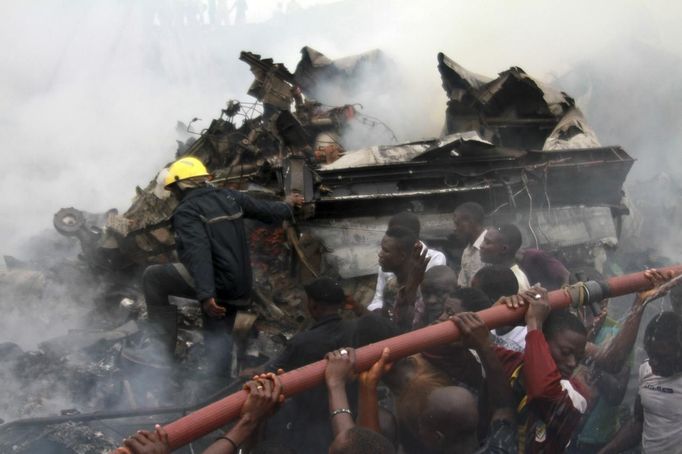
<point x="234" y="445"/>
<point x="339" y="411"/>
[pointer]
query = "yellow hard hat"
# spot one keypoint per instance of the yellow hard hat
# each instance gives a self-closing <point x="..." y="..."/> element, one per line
<point x="184" y="168"/>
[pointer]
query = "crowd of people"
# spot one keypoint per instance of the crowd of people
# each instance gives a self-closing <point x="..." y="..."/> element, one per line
<point x="552" y="383"/>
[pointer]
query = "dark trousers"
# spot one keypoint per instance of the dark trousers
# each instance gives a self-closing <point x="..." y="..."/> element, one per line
<point x="161" y="281"/>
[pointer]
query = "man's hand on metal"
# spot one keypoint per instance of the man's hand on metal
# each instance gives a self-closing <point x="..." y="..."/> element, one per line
<point x="538" y="307"/>
<point x="212" y="308"/>
<point x="659" y="281"/>
<point x="265" y="393"/>
<point x="474" y="332"/>
<point x="340" y="367"/>
<point x="145" y="442"/>
<point x="295" y="199"/>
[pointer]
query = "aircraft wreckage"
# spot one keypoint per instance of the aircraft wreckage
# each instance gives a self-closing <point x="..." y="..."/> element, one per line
<point x="518" y="147"/>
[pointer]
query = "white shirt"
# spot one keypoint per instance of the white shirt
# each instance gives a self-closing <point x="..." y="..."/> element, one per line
<point x="518" y="334"/>
<point x="516" y="337"/>
<point x="521" y="277"/>
<point x="471" y="262"/>
<point x="436" y="258"/>
<point x="662" y="404"/>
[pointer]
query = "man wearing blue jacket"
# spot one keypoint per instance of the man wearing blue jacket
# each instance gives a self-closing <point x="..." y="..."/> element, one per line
<point x="212" y="247"/>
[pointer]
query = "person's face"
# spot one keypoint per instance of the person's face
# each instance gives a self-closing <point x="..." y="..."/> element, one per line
<point x="493" y="248"/>
<point x="664" y="358"/>
<point x="434" y="294"/>
<point x="465" y="227"/>
<point x="451" y="306"/>
<point x="391" y="257"/>
<point x="568" y="349"/>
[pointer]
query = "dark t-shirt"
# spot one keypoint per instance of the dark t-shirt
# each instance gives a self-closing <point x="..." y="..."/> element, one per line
<point x="303" y="421"/>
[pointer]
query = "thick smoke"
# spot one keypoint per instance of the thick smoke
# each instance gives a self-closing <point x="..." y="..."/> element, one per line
<point x="91" y="92"/>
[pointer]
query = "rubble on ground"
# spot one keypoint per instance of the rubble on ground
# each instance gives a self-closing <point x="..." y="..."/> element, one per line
<point x="513" y="144"/>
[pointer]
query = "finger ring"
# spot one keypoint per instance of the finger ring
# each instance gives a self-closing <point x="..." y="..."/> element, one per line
<point x="343" y="352"/>
<point x="259" y="387"/>
<point x="537" y="296"/>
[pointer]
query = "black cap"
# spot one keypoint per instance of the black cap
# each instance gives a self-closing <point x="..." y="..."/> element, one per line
<point x="326" y="291"/>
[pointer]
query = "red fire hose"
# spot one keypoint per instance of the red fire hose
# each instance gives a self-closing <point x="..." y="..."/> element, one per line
<point x="216" y="415"/>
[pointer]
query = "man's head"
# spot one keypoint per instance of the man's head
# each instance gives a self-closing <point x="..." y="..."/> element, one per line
<point x="185" y="173"/>
<point x="449" y="420"/>
<point x="407" y="220"/>
<point x="663" y="344"/>
<point x="464" y="299"/>
<point x="566" y="337"/>
<point x="360" y="440"/>
<point x="396" y="248"/>
<point x="496" y="281"/>
<point x="676" y="299"/>
<point x="468" y="219"/>
<point x="500" y="244"/>
<point x="439" y="284"/>
<point x="324" y="296"/>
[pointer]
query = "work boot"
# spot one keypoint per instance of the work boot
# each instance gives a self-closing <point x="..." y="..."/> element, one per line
<point x="157" y="347"/>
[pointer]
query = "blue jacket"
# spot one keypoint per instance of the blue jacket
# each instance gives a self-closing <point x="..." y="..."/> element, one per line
<point x="211" y="240"/>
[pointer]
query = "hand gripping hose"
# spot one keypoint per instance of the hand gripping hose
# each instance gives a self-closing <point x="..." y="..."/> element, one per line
<point x="219" y="413"/>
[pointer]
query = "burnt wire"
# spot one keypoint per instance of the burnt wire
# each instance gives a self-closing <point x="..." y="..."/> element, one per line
<point x="512" y="196"/>
<point x="373" y="122"/>
<point x="524" y="179"/>
<point x="367" y="120"/>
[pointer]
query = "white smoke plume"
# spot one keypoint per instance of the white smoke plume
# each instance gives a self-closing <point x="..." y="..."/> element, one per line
<point x="91" y="91"/>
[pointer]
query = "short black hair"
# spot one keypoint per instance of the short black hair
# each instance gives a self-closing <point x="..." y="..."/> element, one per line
<point x="473" y="300"/>
<point x="326" y="291"/>
<point x="496" y="281"/>
<point x="406" y="219"/>
<point x="473" y="210"/>
<point x="665" y="326"/>
<point x="405" y="237"/>
<point x="511" y="235"/>
<point x="365" y="441"/>
<point x="560" y="320"/>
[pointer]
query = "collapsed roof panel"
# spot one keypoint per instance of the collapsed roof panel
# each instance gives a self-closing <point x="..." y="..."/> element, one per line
<point x="315" y="69"/>
<point x="512" y="110"/>
<point x="571" y="132"/>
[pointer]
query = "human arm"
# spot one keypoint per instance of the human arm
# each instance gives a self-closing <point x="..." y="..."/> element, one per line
<point x="553" y="398"/>
<point x="368" y="401"/>
<point x="477" y="336"/>
<point x="265" y="210"/>
<point x="406" y="299"/>
<point x="145" y="442"/>
<point x="630" y="435"/>
<point x="613" y="356"/>
<point x="339" y="371"/>
<point x="377" y="302"/>
<point x="265" y="394"/>
<point x="612" y="387"/>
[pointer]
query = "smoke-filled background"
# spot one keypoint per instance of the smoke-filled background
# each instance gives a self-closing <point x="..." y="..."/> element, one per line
<point x="91" y="91"/>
